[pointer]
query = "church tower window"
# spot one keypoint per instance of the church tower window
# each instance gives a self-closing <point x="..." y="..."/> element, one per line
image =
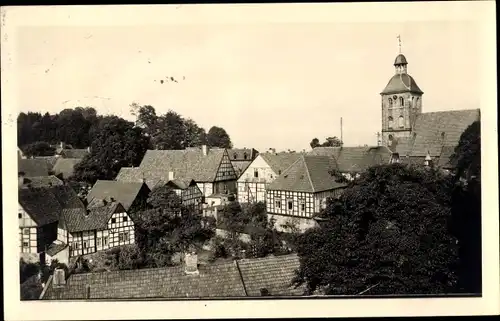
<point x="401" y="101"/>
<point x="401" y="122"/>
<point x="391" y="122"/>
<point x="390" y="102"/>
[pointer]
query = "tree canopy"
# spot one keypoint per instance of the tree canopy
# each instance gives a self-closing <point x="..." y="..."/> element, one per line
<point x="329" y="142"/>
<point x="218" y="137"/>
<point x="38" y="149"/>
<point x="389" y="233"/>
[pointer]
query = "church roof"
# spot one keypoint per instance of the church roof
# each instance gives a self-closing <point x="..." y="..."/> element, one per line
<point x="437" y="133"/>
<point x="401" y="83"/>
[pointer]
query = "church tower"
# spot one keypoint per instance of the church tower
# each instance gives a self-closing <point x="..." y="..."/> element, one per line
<point x="401" y="103"/>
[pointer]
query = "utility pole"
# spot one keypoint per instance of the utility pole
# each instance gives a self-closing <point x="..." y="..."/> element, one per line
<point x="341" y="133"/>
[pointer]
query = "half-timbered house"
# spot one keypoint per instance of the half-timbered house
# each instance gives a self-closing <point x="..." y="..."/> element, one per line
<point x="262" y="171"/>
<point x="210" y="168"/>
<point x="38" y="214"/>
<point x="189" y="192"/>
<point x="95" y="229"/>
<point x="301" y="191"/>
<point x="132" y="196"/>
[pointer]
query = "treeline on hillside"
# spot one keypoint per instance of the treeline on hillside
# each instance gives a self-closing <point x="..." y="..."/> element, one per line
<point x="114" y="141"/>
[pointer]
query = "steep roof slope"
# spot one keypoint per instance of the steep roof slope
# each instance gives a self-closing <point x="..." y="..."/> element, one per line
<point x="79" y="219"/>
<point x="355" y="159"/>
<point x="310" y="174"/>
<point x="279" y="161"/>
<point x="65" y="166"/>
<point x="123" y="192"/>
<point x="33" y="167"/>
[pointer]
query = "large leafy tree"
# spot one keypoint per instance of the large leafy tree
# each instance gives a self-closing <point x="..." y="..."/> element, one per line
<point x="195" y="135"/>
<point x="218" y="137"/>
<point x="117" y="143"/>
<point x="171" y="133"/>
<point x="387" y="234"/>
<point x="38" y="149"/>
<point x="73" y="128"/>
<point x="168" y="227"/>
<point x="467" y="207"/>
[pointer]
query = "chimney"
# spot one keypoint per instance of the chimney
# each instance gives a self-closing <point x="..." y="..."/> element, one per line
<point x="191" y="263"/>
<point x="170" y="176"/>
<point x="58" y="278"/>
<point x="20" y="178"/>
<point x="204" y="150"/>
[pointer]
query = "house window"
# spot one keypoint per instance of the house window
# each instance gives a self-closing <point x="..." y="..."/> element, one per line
<point x="391" y="122"/>
<point x="125" y="218"/>
<point x="113" y="220"/>
<point x="98" y="241"/>
<point x="278" y="203"/>
<point x="255" y="173"/>
<point x="26" y="231"/>
<point x="20" y="215"/>
<point x="401" y="101"/>
<point x="105" y="241"/>
<point x="290" y="205"/>
<point x="401" y="122"/>
<point x="76" y="245"/>
<point x="245" y="156"/>
<point x="235" y="156"/>
<point x="85" y="244"/>
<point x="271" y="176"/>
<point x="26" y="244"/>
<point x="302" y="206"/>
<point x="126" y="236"/>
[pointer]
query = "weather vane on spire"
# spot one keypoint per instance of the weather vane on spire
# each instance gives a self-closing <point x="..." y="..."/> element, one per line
<point x="399" y="41"/>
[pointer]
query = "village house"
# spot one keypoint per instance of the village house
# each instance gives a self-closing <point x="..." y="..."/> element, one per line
<point x="188" y="191"/>
<point x="210" y="168"/>
<point x="269" y="276"/>
<point x="38" y="181"/>
<point x="65" y="167"/>
<point x="241" y="158"/>
<point x="38" y="213"/>
<point x="132" y="196"/>
<point x="301" y="191"/>
<point x="413" y="136"/>
<point x="260" y="173"/>
<point x="94" y="229"/>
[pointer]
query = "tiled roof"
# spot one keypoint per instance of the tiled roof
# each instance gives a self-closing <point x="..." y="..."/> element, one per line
<point x="179" y="183"/>
<point x="279" y="161"/>
<point x="55" y="248"/>
<point x="51" y="160"/>
<point x="445" y="160"/>
<point x="401" y="83"/>
<point x="33" y="167"/>
<point x="65" y="166"/>
<point x="41" y="205"/>
<point x="238" y="154"/>
<point x="355" y="159"/>
<point x="309" y="174"/>
<point x="221" y="279"/>
<point x="240" y="166"/>
<point x="79" y="219"/>
<point x="42" y="181"/>
<point x="434" y="130"/>
<point x="74" y="153"/>
<point x="274" y="273"/>
<point x="213" y="280"/>
<point x="123" y="192"/>
<point x="45" y="204"/>
<point x="186" y="164"/>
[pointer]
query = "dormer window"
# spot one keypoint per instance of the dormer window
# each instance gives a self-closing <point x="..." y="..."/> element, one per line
<point x="245" y="155"/>
<point x="235" y="156"/>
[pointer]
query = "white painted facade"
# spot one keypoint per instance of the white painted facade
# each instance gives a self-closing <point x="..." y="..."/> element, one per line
<point x="253" y="182"/>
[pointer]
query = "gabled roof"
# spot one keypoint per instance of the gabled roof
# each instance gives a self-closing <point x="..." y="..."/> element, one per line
<point x="433" y="131"/>
<point x="51" y="160"/>
<point x="123" y="192"/>
<point x="186" y="164"/>
<point x="74" y="153"/>
<point x="97" y="218"/>
<point x="273" y="273"/>
<point x="310" y="174"/>
<point x="401" y="83"/>
<point x="65" y="166"/>
<point x="240" y="166"/>
<point x="355" y="159"/>
<point x="33" y="167"/>
<point x="179" y="183"/>
<point x="242" y="154"/>
<point x="42" y="181"/>
<point x="213" y="280"/>
<point x="279" y="161"/>
<point x="41" y="205"/>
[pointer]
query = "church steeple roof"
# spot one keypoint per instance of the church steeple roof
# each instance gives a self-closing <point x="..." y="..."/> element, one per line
<point x="401" y="82"/>
<point x="400" y="60"/>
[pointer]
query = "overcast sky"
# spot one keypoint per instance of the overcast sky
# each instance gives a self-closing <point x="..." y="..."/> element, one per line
<point x="269" y="82"/>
